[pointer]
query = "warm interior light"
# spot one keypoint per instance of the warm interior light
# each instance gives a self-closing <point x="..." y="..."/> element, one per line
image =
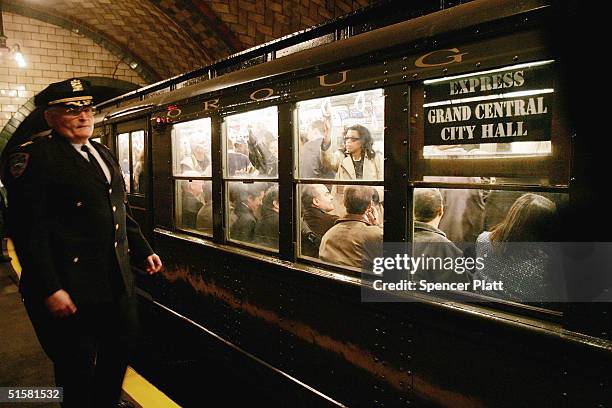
<point x="21" y="62"/>
<point x="5" y="50"/>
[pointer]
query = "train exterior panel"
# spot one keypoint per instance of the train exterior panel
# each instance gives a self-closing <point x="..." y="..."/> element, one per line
<point x="299" y="325"/>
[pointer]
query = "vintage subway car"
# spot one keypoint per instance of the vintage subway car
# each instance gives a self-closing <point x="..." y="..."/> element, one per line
<point x="471" y="100"/>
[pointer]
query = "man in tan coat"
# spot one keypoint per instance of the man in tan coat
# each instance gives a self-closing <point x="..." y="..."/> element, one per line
<point x="355" y="239"/>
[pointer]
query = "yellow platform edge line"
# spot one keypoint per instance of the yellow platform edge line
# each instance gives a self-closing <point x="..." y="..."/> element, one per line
<point x="135" y="386"/>
<point x="144" y="393"/>
<point x="10" y="248"/>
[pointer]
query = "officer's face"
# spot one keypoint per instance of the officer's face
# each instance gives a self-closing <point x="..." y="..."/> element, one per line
<point x="75" y="124"/>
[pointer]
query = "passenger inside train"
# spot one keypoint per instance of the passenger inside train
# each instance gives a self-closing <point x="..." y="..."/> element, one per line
<point x="252" y="136"/>
<point x="523" y="268"/>
<point x="355" y="239"/>
<point x="246" y="210"/>
<point x="266" y="228"/>
<point x="317" y="216"/>
<point x="429" y="240"/>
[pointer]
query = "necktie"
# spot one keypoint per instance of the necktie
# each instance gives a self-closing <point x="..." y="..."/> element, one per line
<point x="94" y="163"/>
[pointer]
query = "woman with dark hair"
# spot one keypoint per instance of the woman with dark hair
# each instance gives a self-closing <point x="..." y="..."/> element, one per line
<point x="511" y="252"/>
<point x="357" y="160"/>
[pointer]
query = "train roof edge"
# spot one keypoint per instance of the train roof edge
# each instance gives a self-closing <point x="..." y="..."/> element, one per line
<point x="459" y="17"/>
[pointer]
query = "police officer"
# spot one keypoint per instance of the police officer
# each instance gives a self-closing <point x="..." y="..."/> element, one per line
<point x="75" y="238"/>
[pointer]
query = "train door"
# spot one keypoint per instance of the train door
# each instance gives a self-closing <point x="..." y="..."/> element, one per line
<point x="132" y="151"/>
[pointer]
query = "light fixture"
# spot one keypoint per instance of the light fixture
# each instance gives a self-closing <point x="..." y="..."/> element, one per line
<point x="18" y="56"/>
<point x="14" y="51"/>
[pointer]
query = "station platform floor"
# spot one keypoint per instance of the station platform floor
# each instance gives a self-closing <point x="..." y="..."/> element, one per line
<point x="24" y="364"/>
<point x="174" y="365"/>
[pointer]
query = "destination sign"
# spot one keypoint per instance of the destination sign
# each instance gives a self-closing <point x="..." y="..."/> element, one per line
<point x="499" y="107"/>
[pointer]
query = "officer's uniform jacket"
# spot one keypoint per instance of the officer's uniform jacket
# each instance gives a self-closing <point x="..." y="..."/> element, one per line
<point x="72" y="229"/>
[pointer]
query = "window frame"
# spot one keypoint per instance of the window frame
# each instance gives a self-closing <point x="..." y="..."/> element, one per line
<point x="390" y="94"/>
<point x="556" y="166"/>
<point x="136" y="199"/>
<point x="224" y="236"/>
<point x="175" y="178"/>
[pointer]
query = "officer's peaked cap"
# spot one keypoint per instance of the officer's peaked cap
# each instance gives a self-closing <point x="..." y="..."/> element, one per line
<point x="71" y="92"/>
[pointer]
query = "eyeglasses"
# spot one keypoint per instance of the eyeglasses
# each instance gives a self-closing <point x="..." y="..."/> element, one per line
<point x="77" y="110"/>
<point x="352" y="139"/>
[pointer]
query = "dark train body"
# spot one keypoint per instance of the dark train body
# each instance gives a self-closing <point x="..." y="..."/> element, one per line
<point x="297" y="329"/>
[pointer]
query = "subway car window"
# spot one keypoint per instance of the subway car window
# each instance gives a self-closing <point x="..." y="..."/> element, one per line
<point x="123" y="153"/>
<point x="192" y="169"/>
<point x="253" y="213"/>
<point x="341" y="224"/>
<point x="131" y="153"/>
<point x="191" y="148"/>
<point x="251" y="144"/>
<point x="499" y="113"/>
<point x="506" y="115"/>
<point x="479" y="223"/>
<point x="342" y="137"/>
<point x="138" y="162"/>
<point x="194" y="205"/>
<point x="251" y="153"/>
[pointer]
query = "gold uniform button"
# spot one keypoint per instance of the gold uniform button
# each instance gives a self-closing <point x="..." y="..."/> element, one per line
<point x="76" y="259"/>
<point x="117" y="227"/>
<point x="114" y="208"/>
<point x="115" y="244"/>
<point x="79" y="204"/>
<point x="110" y="191"/>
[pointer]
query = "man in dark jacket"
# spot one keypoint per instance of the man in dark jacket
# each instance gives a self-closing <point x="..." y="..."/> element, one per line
<point x="75" y="237"/>
<point x="266" y="230"/>
<point x="317" y="205"/>
<point x="430" y="241"/>
<point x="247" y="210"/>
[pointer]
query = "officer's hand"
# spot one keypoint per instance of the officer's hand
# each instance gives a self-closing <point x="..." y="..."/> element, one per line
<point x="154" y="264"/>
<point x="60" y="304"/>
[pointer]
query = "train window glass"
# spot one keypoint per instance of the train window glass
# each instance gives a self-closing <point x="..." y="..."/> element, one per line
<point x="497" y="113"/>
<point x="123" y="151"/>
<point x="251" y="144"/>
<point x="131" y="153"/>
<point x="342" y="137"/>
<point x="252" y="213"/>
<point x="341" y="224"/>
<point x="194" y="206"/>
<point x="472" y="223"/>
<point x="138" y="162"/>
<point x="191" y="148"/>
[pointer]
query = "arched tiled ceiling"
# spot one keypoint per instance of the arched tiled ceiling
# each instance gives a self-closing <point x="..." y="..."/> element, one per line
<point x="258" y="21"/>
<point x="203" y="24"/>
<point x="139" y="28"/>
<point x="169" y="37"/>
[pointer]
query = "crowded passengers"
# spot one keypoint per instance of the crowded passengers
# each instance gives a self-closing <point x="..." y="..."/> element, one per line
<point x="343" y="224"/>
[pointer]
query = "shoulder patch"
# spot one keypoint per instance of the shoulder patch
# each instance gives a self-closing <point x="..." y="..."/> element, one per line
<point x="18" y="163"/>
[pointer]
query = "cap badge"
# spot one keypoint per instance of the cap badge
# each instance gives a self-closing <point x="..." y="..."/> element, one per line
<point x="77" y="85"/>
